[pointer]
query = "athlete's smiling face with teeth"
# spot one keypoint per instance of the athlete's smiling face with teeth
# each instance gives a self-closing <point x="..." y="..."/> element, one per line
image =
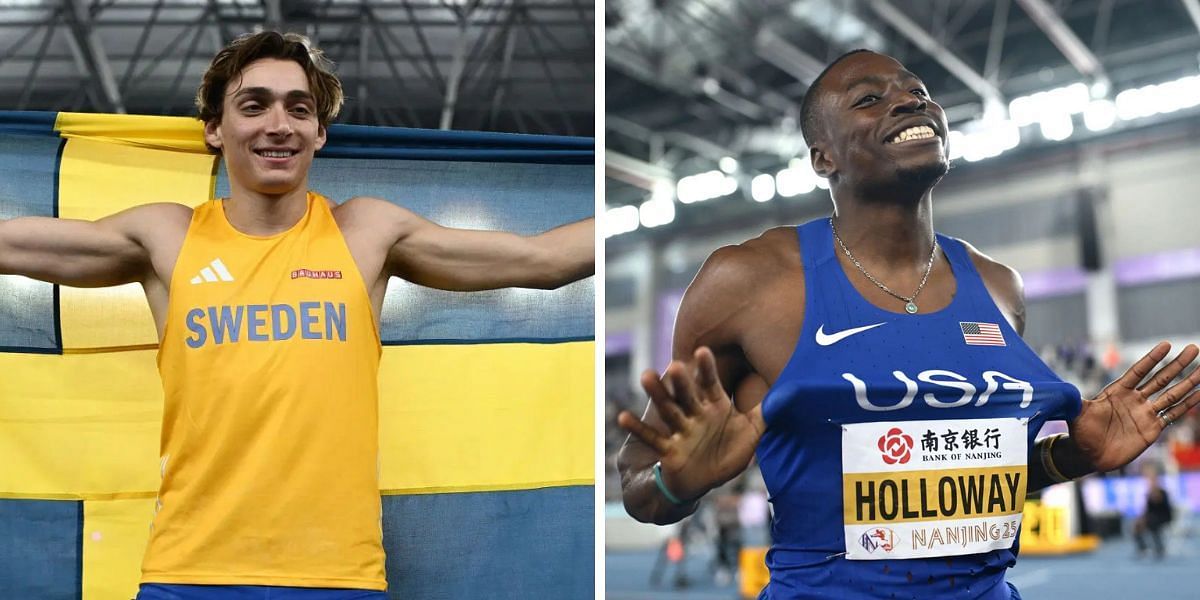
<point x="269" y="130"/>
<point x="880" y="124"/>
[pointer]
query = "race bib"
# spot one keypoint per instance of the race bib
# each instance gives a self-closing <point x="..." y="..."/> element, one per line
<point x="920" y="489"/>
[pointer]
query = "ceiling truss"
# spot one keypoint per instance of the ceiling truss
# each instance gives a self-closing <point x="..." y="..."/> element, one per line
<point x="689" y="79"/>
<point x="503" y="65"/>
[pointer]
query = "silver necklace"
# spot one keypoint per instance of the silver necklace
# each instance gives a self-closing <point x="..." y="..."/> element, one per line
<point x="910" y="301"/>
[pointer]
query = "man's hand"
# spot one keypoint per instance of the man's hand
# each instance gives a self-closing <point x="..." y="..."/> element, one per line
<point x="1124" y="419"/>
<point x="708" y="441"/>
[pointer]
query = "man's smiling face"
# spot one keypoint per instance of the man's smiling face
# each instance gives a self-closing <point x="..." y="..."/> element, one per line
<point x="879" y="123"/>
<point x="268" y="131"/>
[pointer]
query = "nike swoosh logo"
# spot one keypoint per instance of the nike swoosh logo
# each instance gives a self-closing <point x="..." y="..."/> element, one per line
<point x="828" y="339"/>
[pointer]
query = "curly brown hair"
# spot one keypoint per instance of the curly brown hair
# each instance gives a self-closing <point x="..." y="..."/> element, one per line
<point x="229" y="62"/>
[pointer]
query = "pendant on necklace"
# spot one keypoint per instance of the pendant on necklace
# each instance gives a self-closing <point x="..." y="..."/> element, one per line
<point x="911" y="308"/>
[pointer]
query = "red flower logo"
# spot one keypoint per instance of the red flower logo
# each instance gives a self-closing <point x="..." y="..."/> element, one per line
<point x="895" y="446"/>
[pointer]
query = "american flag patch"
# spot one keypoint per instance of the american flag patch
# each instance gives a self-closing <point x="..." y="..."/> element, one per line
<point x="982" y="334"/>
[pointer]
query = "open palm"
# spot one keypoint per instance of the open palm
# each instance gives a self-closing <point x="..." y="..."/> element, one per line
<point x="709" y="440"/>
<point x="1125" y="418"/>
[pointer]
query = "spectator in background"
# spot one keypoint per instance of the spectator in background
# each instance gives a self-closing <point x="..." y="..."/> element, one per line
<point x="1155" y="518"/>
<point x="729" y="531"/>
<point x="1184" y="449"/>
<point x="1111" y="361"/>
<point x="674" y="552"/>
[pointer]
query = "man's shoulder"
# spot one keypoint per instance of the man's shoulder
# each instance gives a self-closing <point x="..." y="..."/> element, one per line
<point x="773" y="251"/>
<point x="998" y="276"/>
<point x="751" y="267"/>
<point x="373" y="221"/>
<point x="737" y="286"/>
<point x="153" y="219"/>
<point x="169" y="210"/>
<point x="1003" y="283"/>
<point x="365" y="209"/>
<point x="360" y="203"/>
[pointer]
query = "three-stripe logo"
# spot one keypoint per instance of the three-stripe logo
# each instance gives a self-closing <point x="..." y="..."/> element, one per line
<point x="213" y="273"/>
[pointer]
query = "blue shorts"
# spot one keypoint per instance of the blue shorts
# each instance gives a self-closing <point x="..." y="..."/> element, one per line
<point x="1014" y="594"/>
<point x="172" y="591"/>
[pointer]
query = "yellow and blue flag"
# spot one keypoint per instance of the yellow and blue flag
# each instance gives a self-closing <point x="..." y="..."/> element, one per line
<point x="486" y="399"/>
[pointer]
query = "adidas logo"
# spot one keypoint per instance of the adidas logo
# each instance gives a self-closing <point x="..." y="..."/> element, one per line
<point x="216" y="271"/>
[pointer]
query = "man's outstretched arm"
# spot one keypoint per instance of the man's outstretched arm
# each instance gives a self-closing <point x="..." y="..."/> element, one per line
<point x="428" y="254"/>
<point x="76" y="253"/>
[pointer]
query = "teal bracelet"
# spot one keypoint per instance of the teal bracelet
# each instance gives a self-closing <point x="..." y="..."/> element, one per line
<point x="662" y="487"/>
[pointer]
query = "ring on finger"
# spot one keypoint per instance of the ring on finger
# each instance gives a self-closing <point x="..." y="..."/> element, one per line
<point x="1166" y="421"/>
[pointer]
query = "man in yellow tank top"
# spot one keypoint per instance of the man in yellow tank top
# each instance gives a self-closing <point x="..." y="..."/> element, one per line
<point x="249" y="294"/>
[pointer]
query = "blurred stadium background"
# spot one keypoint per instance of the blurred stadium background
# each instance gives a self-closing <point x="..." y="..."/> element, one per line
<point x="1074" y="145"/>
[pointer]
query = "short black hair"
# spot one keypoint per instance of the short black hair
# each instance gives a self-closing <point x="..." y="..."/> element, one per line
<point x="808" y="120"/>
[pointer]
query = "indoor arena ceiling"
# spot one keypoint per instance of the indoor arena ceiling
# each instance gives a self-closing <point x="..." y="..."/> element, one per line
<point x="499" y="65"/>
<point x="689" y="82"/>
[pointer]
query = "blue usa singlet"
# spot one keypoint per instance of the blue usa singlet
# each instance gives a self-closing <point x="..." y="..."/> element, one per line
<point x="896" y="446"/>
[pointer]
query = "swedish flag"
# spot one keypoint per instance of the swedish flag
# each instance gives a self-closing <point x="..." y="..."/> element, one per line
<point x="486" y="399"/>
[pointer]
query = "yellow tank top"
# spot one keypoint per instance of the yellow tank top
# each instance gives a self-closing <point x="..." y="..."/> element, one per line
<point x="269" y="450"/>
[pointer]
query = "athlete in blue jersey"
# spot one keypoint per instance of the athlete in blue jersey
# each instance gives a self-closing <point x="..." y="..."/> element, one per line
<point x="877" y="370"/>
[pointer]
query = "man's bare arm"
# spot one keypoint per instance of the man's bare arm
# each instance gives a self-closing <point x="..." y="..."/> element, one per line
<point x="428" y="254"/>
<point x="708" y="317"/>
<point x="79" y="253"/>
